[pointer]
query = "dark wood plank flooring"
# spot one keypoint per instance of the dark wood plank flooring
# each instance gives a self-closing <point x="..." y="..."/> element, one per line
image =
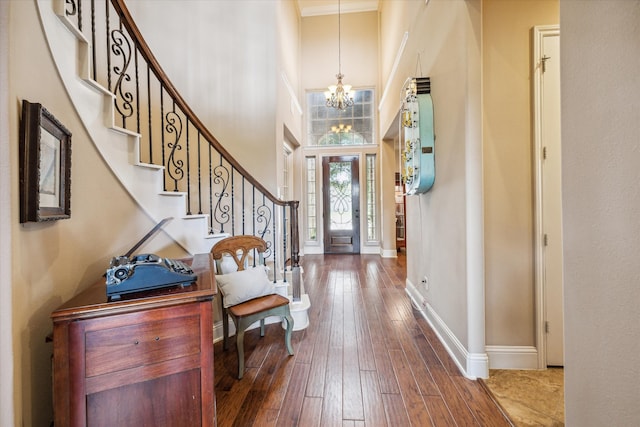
<point x="367" y="359"/>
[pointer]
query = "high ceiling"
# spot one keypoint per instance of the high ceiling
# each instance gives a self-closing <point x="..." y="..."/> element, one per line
<point x="329" y="7"/>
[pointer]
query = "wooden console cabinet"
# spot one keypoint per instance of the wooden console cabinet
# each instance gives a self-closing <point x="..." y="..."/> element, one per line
<point x="146" y="360"/>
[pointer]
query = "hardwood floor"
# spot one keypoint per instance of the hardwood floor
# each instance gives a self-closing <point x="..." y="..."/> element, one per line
<point x="366" y="359"/>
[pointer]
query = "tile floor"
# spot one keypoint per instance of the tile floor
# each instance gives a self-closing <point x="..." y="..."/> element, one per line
<point x="530" y="398"/>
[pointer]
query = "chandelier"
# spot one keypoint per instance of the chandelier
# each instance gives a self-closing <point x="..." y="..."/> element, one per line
<point x="341" y="128"/>
<point x="339" y="95"/>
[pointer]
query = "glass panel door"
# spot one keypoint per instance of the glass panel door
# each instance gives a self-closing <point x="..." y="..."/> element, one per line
<point x="341" y="196"/>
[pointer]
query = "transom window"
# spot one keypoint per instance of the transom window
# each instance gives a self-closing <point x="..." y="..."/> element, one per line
<point x="329" y="126"/>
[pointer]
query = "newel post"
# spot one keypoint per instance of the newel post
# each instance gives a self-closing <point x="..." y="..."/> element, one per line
<point x="295" y="250"/>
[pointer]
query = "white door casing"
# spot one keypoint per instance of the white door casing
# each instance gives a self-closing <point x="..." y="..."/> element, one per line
<point x="548" y="213"/>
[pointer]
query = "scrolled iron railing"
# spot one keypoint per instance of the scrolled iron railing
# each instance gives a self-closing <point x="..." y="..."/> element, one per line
<point x="172" y="135"/>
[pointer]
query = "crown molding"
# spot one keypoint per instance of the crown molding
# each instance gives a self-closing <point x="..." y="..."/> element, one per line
<point x="316" y="8"/>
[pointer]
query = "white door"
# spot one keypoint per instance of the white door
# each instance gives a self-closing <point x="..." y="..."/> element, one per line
<point x="551" y="198"/>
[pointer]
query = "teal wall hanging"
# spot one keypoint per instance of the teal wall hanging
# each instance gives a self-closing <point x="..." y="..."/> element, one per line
<point x="417" y="138"/>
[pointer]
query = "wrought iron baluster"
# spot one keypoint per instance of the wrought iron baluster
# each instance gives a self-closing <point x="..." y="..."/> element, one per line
<point x="233" y="223"/>
<point x="273" y="239"/>
<point x="253" y="209"/>
<point x="93" y="40"/>
<point x="186" y="143"/>
<point x="107" y="31"/>
<point x="164" y="180"/>
<point x="149" y="114"/>
<point x="211" y="189"/>
<point x="135" y="56"/>
<point x="121" y="47"/>
<point x="174" y="165"/>
<point x="222" y="178"/>
<point x="199" y="175"/>
<point x="80" y="15"/>
<point x="243" y="206"/>
<point x="264" y="217"/>
<point x="73" y="11"/>
<point x="284" y="240"/>
<point x="295" y="252"/>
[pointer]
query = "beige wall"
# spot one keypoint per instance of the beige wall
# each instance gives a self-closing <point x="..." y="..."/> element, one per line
<point x="508" y="163"/>
<point x="228" y="74"/>
<point x="289" y="106"/>
<point x="319" y="56"/>
<point x="318" y="67"/>
<point x="388" y="168"/>
<point x="601" y="206"/>
<point x="441" y="34"/>
<point x="436" y="243"/>
<point x="53" y="261"/>
<point x="6" y="220"/>
<point x="232" y="73"/>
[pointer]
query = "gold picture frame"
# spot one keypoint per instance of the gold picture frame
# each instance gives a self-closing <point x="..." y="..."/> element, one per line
<point x="45" y="166"/>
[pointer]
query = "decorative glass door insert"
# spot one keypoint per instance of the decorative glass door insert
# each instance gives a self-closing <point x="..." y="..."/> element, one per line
<point x="341" y="196"/>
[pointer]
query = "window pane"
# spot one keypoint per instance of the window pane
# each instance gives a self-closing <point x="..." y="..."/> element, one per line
<point x="329" y="126"/>
<point x="340" y="196"/>
<point x="311" y="198"/>
<point x="371" y="197"/>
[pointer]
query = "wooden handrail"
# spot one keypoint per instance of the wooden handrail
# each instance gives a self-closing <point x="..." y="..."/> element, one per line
<point x="145" y="51"/>
<point x="245" y="205"/>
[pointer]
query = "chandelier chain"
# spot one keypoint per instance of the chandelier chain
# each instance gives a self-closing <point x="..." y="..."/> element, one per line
<point x="339" y="95"/>
<point x="339" y="41"/>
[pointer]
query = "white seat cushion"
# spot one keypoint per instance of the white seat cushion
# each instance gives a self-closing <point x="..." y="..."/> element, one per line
<point x="241" y="286"/>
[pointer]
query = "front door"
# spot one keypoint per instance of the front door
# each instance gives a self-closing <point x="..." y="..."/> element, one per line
<point x="341" y="204"/>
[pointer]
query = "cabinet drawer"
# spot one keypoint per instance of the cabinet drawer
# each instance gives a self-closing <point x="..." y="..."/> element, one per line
<point x="134" y="345"/>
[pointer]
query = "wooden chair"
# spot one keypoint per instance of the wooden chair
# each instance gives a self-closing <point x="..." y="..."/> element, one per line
<point x="246" y="313"/>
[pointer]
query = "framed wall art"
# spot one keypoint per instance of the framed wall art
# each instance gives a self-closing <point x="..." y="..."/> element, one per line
<point x="45" y="166"/>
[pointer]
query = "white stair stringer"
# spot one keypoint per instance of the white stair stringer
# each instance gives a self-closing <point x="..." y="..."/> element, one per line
<point x="118" y="147"/>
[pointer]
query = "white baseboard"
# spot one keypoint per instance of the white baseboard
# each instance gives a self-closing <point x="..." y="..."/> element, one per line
<point x="512" y="357"/>
<point x="217" y="331"/>
<point x="471" y="365"/>
<point x="313" y="250"/>
<point x="319" y="250"/>
<point x="370" y="249"/>
<point x="388" y="253"/>
<point x="477" y="365"/>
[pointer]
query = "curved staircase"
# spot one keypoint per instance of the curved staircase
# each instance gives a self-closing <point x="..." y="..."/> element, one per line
<point x="180" y="174"/>
<point x="119" y="147"/>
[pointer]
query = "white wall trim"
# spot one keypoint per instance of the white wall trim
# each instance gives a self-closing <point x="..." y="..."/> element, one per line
<point x="332" y="9"/>
<point x="512" y="357"/>
<point x="292" y="93"/>
<point x="539" y="33"/>
<point x="394" y="68"/>
<point x="313" y="249"/>
<point x="471" y="365"/>
<point x="364" y="249"/>
<point x="474" y="208"/>
<point x="478" y="365"/>
<point x="388" y="253"/>
<point x="375" y="249"/>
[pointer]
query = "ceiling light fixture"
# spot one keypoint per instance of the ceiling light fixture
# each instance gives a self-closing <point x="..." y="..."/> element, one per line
<point x="339" y="95"/>
<point x="341" y="128"/>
